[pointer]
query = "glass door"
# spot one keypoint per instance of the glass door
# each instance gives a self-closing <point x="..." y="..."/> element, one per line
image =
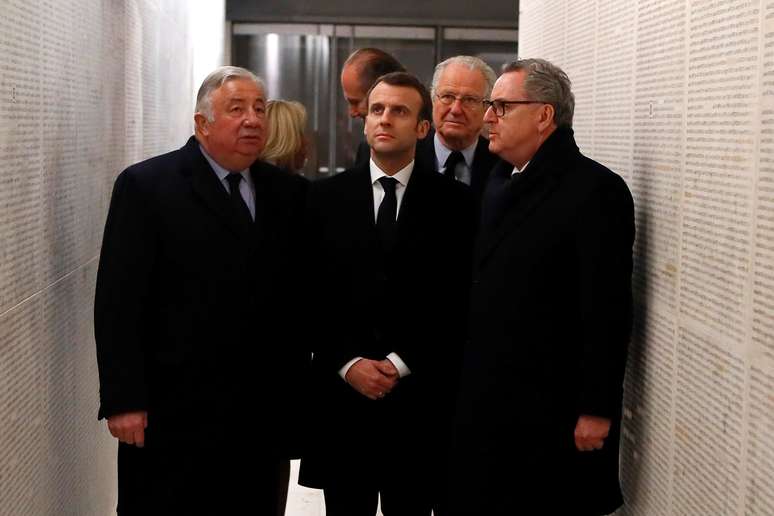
<point x="303" y="62"/>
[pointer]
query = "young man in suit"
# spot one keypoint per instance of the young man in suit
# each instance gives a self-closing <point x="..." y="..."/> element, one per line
<point x="456" y="147"/>
<point x="540" y="398"/>
<point x="191" y="316"/>
<point x="394" y="242"/>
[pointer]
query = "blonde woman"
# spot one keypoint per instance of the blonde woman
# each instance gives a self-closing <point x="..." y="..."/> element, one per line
<point x="286" y="145"/>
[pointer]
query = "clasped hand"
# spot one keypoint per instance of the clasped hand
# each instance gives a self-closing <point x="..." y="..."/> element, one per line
<point x="373" y="379"/>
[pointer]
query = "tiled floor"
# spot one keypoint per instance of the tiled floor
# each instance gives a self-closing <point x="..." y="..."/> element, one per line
<point x="303" y="501"/>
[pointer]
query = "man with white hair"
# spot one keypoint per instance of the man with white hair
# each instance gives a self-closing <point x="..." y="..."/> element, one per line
<point x="191" y="316"/>
<point x="457" y="148"/>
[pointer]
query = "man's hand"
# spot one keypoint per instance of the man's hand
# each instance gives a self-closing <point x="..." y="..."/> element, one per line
<point x="590" y="432"/>
<point x="387" y="368"/>
<point x="129" y="427"/>
<point x="372" y="378"/>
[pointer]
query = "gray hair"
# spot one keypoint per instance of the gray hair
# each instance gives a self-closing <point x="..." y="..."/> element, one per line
<point x="546" y="82"/>
<point x="215" y="80"/>
<point x="472" y="63"/>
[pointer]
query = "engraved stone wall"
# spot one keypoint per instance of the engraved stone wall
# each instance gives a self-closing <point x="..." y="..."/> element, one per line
<point x="678" y="98"/>
<point x="87" y="87"/>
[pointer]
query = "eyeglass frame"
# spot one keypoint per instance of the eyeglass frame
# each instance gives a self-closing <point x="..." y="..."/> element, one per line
<point x="474" y="101"/>
<point x="489" y="103"/>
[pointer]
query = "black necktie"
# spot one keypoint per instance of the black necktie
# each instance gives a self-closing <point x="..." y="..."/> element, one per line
<point x="388" y="209"/>
<point x="496" y="196"/>
<point x="452" y="161"/>
<point x="242" y="211"/>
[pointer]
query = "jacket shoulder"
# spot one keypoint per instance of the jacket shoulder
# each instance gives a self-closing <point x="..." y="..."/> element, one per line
<point x="443" y="185"/>
<point x="342" y="181"/>
<point x="279" y="178"/>
<point x="599" y="174"/>
<point x="151" y="173"/>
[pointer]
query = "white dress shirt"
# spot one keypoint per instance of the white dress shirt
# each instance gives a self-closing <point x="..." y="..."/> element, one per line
<point x="403" y="176"/>
<point x="246" y="187"/>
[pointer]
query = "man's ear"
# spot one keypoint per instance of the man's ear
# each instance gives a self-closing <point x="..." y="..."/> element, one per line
<point x="422" y="129"/>
<point x="546" y="117"/>
<point x="201" y="124"/>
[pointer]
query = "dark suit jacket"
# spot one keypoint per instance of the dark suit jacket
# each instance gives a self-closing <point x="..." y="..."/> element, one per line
<point x="549" y="328"/>
<point x="192" y="317"/>
<point x="411" y="301"/>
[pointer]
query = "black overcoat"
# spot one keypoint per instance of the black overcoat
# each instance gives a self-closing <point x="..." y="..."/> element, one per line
<point x="549" y="328"/>
<point x="193" y="325"/>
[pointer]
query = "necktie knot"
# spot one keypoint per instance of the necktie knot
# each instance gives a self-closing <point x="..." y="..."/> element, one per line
<point x="233" y="181"/>
<point x="388" y="184"/>
<point x="452" y="161"/>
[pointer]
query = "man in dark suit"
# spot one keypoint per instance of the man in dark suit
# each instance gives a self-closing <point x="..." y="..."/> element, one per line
<point x="456" y="147"/>
<point x="394" y="242"/>
<point x="539" y="410"/>
<point x="191" y="316"/>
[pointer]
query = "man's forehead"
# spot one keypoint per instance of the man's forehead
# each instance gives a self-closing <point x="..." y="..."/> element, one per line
<point x="395" y="94"/>
<point x="509" y="82"/>
<point x="241" y="89"/>
<point x="350" y="81"/>
<point x="462" y="76"/>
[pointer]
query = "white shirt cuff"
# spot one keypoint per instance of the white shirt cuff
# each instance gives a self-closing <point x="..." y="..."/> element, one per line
<point x="343" y="370"/>
<point x="399" y="364"/>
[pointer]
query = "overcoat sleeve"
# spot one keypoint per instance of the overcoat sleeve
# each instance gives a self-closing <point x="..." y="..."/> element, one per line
<point x="123" y="297"/>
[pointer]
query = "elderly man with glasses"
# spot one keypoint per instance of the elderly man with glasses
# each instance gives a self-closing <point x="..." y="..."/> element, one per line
<point x="539" y="408"/>
<point x="456" y="147"/>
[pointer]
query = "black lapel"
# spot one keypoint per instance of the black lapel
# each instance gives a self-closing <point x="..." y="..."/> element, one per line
<point x="425" y="153"/>
<point x="206" y="185"/>
<point x="359" y="194"/>
<point x="540" y="178"/>
<point x="483" y="162"/>
<point x="260" y="173"/>
<point x="414" y="203"/>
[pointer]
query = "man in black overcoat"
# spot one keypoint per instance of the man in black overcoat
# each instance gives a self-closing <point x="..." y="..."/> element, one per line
<point x="194" y="340"/>
<point x="393" y="241"/>
<point x="538" y="419"/>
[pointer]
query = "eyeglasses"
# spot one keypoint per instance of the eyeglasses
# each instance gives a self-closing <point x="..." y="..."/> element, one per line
<point x="467" y="101"/>
<point x="498" y="106"/>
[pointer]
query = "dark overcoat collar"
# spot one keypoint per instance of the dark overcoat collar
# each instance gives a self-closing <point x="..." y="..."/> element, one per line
<point x="542" y="175"/>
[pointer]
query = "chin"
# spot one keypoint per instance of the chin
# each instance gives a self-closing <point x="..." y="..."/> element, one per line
<point x="457" y="136"/>
<point x="249" y="150"/>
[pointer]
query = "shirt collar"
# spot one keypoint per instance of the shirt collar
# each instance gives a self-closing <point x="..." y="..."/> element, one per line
<point x="220" y="171"/>
<point x="403" y="175"/>
<point x="442" y="152"/>
<point x="517" y="171"/>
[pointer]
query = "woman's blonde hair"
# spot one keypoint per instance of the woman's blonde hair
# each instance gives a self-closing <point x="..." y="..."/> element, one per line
<point x="285" y="124"/>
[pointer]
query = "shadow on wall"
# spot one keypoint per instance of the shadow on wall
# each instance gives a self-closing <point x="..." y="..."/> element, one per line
<point x="633" y="424"/>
